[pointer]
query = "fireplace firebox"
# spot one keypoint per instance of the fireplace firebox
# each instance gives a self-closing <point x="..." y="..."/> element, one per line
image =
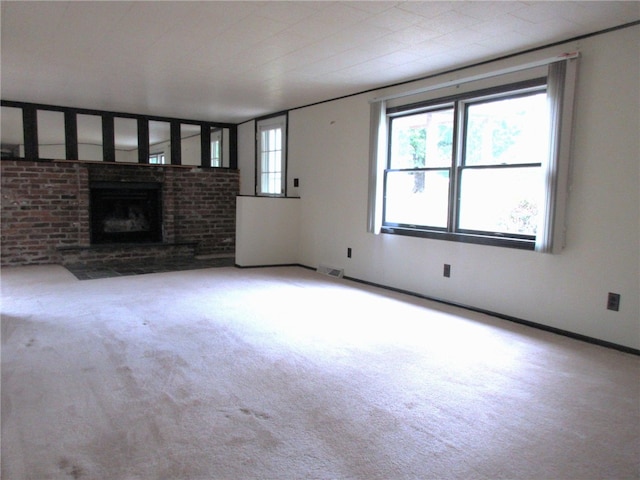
<point x="126" y="212"/>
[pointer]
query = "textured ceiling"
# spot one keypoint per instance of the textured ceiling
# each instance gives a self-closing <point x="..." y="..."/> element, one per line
<point x="233" y="61"/>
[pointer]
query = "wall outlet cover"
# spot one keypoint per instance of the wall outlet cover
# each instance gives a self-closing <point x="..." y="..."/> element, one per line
<point x="613" y="301"/>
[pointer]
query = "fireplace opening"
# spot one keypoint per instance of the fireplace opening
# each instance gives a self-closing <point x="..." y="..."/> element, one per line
<point x="126" y="212"/>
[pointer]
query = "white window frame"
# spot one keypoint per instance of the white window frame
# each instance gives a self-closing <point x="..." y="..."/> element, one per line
<point x="271" y="162"/>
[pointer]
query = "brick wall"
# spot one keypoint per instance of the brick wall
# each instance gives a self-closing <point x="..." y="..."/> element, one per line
<point x="203" y="212"/>
<point x="45" y="206"/>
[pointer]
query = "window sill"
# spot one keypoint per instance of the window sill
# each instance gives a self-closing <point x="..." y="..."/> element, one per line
<point x="463" y="238"/>
<point x="268" y="196"/>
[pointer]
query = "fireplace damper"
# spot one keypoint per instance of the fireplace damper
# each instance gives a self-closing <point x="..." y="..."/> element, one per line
<point x="126" y="212"/>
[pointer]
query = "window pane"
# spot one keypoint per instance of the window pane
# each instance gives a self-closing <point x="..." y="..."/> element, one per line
<point x="126" y="139"/>
<point x="417" y="198"/>
<point x="216" y="150"/>
<point x="157" y="158"/>
<point x="277" y="142"/>
<point x="265" y="183"/>
<point x="12" y="132"/>
<point x="422" y="140"/>
<point x="508" y="131"/>
<point x="159" y="142"/>
<point x="215" y="153"/>
<point x="51" y="135"/>
<point x="504" y="200"/>
<point x="190" y="144"/>
<point x="271" y="183"/>
<point x="89" y="137"/>
<point x="275" y="183"/>
<point x="272" y="139"/>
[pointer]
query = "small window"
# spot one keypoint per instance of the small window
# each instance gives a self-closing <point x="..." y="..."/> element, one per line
<point x="271" y="153"/>
<point x="469" y="167"/>
<point x="157" y="158"/>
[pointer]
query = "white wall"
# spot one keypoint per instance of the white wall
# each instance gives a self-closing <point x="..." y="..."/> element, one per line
<point x="267" y="231"/>
<point x="328" y="151"/>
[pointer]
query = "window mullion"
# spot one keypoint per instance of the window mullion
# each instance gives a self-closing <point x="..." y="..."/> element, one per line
<point x="458" y="152"/>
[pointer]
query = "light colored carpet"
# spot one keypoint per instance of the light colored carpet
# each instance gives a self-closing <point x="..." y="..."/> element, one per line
<point x="282" y="373"/>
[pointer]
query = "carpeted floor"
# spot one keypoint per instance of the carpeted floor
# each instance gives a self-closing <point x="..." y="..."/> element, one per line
<point x="282" y="373"/>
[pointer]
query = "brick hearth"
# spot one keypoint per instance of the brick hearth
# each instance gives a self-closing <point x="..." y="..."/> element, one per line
<point x="45" y="211"/>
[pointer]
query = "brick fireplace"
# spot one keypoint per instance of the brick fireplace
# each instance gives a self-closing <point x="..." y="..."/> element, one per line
<point x="161" y="211"/>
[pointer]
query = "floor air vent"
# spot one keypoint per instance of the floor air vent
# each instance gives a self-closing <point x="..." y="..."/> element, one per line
<point x="332" y="272"/>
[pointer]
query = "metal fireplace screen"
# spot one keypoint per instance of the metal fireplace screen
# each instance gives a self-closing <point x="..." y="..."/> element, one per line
<point x="126" y="212"/>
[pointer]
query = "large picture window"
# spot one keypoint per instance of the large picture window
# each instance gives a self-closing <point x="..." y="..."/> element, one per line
<point x="471" y="166"/>
<point x="488" y="166"/>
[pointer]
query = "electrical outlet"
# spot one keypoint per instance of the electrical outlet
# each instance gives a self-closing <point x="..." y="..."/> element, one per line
<point x="296" y="182"/>
<point x="447" y="270"/>
<point x="613" y="302"/>
<point x="349" y="252"/>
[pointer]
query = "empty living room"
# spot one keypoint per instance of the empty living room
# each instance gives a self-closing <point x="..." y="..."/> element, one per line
<point x="320" y="240"/>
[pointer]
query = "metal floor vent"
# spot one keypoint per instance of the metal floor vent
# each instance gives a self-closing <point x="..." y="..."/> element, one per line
<point x="332" y="272"/>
